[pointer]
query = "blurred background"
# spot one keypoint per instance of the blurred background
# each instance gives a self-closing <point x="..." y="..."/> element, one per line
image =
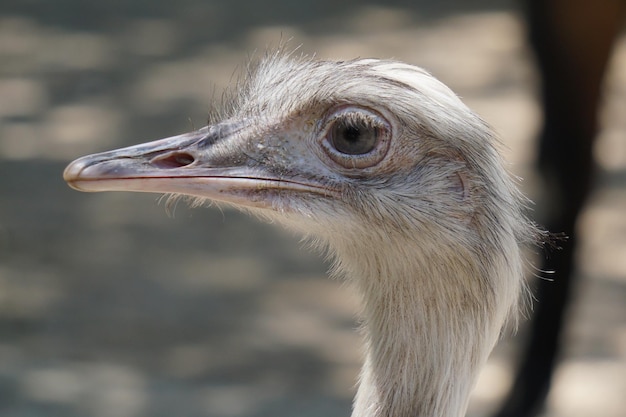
<point x="111" y="307"/>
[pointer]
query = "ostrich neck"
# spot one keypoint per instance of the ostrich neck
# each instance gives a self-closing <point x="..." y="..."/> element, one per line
<point x="427" y="335"/>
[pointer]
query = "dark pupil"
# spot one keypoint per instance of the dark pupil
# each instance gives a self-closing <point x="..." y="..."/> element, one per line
<point x="351" y="134"/>
<point x="354" y="137"/>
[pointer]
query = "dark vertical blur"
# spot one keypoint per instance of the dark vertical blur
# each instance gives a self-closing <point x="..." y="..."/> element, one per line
<point x="572" y="42"/>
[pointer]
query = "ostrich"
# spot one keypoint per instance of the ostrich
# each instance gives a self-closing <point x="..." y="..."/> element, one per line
<point x="384" y="166"/>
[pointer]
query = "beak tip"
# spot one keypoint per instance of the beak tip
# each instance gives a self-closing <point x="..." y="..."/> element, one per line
<point x="72" y="173"/>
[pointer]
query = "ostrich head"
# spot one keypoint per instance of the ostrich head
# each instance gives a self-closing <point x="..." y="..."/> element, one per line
<point x="385" y="166"/>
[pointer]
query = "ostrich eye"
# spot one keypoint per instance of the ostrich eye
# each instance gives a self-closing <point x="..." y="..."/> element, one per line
<point x="356" y="137"/>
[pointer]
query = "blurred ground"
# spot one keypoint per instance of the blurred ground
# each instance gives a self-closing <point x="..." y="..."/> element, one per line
<point x="108" y="307"/>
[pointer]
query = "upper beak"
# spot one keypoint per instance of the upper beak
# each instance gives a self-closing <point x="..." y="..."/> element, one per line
<point x="209" y="163"/>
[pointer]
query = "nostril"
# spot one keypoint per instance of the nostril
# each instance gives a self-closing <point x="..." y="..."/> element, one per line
<point x="173" y="160"/>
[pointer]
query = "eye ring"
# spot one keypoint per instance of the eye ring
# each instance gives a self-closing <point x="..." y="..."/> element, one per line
<point x="356" y="137"/>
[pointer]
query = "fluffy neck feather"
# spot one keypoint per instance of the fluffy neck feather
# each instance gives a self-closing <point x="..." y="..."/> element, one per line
<point x="430" y="322"/>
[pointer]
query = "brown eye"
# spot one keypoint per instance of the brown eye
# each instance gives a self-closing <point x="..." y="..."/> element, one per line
<point x="356" y="137"/>
<point x="353" y="135"/>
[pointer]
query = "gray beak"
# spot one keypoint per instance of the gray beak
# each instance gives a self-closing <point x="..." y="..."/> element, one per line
<point x="215" y="162"/>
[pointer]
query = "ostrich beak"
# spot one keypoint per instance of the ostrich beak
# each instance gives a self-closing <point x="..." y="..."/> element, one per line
<point x="216" y="162"/>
